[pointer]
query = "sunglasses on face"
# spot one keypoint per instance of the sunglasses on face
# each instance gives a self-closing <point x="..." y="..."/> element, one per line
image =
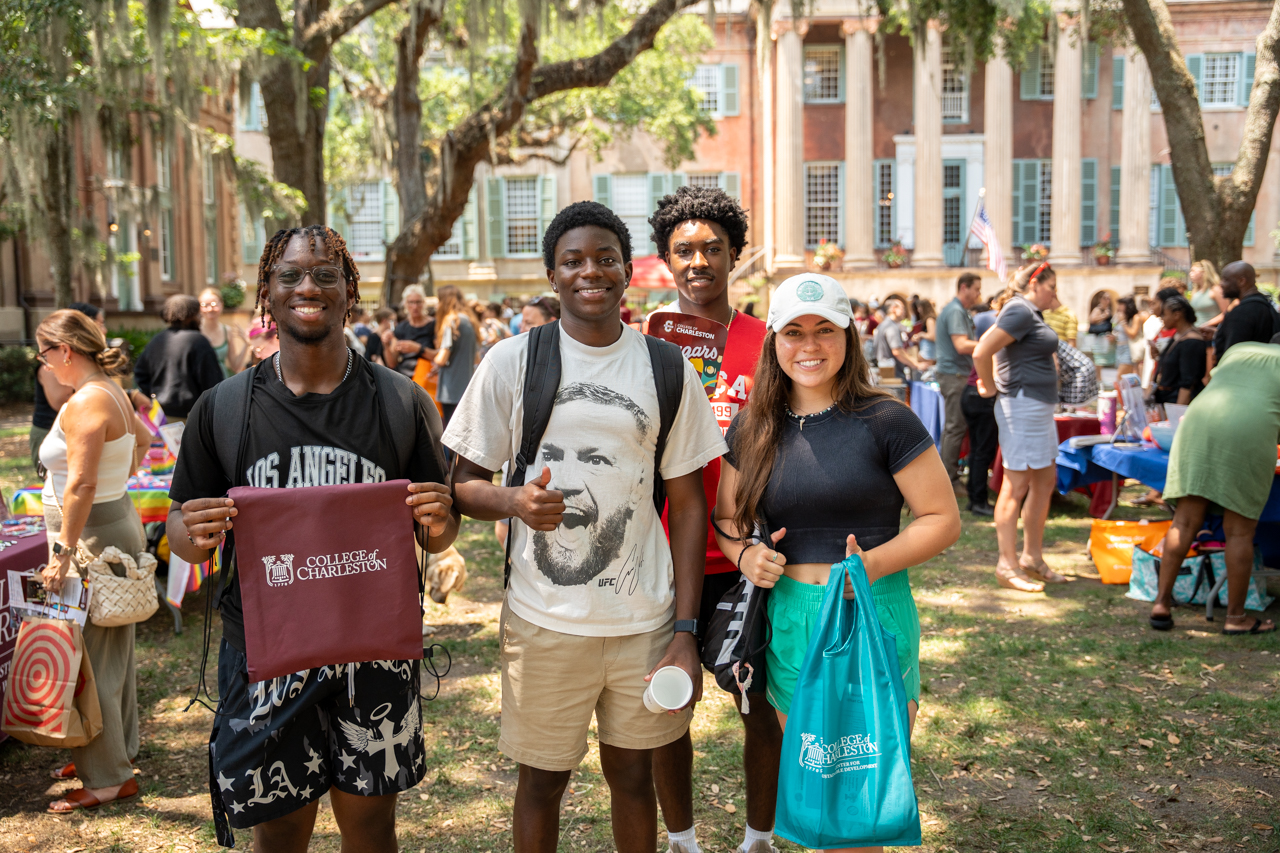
<point x="326" y="277"/>
<point x="40" y="355"/>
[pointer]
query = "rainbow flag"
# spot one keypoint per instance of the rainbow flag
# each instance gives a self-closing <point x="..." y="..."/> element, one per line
<point x="153" y="417"/>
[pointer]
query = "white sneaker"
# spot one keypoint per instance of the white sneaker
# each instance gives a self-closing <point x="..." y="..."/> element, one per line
<point x="758" y="847"/>
<point x="677" y="847"/>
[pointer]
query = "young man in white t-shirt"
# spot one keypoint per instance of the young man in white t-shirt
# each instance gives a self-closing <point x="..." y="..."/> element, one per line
<point x="597" y="600"/>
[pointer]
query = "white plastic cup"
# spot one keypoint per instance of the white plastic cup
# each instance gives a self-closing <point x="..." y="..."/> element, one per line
<point x="670" y="689"/>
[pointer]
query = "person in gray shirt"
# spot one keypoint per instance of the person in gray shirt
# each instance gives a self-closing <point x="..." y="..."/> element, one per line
<point x="1015" y="359"/>
<point x="891" y="339"/>
<point x="956" y="340"/>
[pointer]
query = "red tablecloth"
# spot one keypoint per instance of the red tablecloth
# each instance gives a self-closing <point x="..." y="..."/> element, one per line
<point x="23" y="555"/>
<point x="1068" y="427"/>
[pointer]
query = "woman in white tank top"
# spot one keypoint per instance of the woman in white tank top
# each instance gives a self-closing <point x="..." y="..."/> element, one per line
<point x="94" y="445"/>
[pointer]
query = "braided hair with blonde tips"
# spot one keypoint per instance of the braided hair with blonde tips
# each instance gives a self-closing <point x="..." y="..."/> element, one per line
<point x="322" y="234"/>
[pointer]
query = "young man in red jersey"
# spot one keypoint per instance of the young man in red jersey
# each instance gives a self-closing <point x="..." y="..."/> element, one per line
<point x="700" y="233"/>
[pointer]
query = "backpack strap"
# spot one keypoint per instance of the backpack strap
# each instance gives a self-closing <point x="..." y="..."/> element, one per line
<point x="668" y="378"/>
<point x="229" y="407"/>
<point x="541" y="383"/>
<point x="397" y="394"/>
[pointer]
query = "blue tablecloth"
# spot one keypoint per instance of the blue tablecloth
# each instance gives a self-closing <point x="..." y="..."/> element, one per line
<point x="1148" y="465"/>
<point x="929" y="406"/>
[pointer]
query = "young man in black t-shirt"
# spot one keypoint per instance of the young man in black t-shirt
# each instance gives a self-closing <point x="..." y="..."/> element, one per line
<point x="314" y="418"/>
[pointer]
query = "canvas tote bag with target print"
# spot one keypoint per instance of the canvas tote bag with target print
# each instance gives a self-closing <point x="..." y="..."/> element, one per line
<point x="51" y="698"/>
<point x="328" y="575"/>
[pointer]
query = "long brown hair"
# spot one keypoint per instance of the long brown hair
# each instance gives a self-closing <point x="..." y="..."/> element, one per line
<point x="450" y="304"/>
<point x="759" y="426"/>
<point x="82" y="335"/>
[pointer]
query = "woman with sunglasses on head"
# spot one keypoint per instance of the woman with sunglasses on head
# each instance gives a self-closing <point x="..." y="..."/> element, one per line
<point x="179" y="364"/>
<point x="822" y="463"/>
<point x="539" y="311"/>
<point x="1025" y="378"/>
<point x="95" y="443"/>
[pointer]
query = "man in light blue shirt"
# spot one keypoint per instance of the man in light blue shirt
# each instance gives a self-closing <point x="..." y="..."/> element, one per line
<point x="956" y="340"/>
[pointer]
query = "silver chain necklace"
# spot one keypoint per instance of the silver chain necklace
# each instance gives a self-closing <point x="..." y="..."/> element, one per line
<point x="802" y="418"/>
<point x="280" y="375"/>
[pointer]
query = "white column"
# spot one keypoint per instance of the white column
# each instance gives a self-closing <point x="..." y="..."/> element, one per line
<point x="764" y="64"/>
<point x="789" y="178"/>
<point x="1065" y="227"/>
<point x="997" y="155"/>
<point x="859" y="156"/>
<point x="928" y="132"/>
<point x="1135" y="162"/>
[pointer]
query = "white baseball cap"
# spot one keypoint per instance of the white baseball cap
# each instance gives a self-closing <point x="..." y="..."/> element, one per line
<point x="809" y="293"/>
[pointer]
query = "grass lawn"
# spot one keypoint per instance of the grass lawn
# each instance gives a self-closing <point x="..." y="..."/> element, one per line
<point x="1052" y="722"/>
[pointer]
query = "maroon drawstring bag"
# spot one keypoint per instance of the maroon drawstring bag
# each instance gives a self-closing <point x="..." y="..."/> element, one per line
<point x="328" y="575"/>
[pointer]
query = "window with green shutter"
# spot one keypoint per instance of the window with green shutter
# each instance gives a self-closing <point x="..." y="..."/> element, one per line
<point x="1089" y="71"/>
<point x="729" y="89"/>
<point x="1088" y="201"/>
<point x="1030" y="196"/>
<point x="1173" y="228"/>
<point x="1029" y="79"/>
<point x="1195" y="67"/>
<point x="495" y="207"/>
<point x="731" y="183"/>
<point x="1246" y="79"/>
<point x="602" y="190"/>
<point x="1117" y="82"/>
<point x="1114" y="220"/>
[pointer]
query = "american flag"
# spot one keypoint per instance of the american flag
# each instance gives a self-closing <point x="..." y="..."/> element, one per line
<point x="983" y="230"/>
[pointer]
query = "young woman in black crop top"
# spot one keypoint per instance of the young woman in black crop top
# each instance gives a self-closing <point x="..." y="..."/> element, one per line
<point x="823" y="461"/>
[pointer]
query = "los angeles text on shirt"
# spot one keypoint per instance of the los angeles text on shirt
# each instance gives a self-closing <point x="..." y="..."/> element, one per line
<point x="314" y="465"/>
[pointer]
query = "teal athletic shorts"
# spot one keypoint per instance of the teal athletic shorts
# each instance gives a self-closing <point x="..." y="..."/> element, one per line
<point x="794" y="608"/>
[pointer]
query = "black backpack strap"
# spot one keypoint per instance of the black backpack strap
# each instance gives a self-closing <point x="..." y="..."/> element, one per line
<point x="541" y="384"/>
<point x="229" y="407"/>
<point x="397" y="393"/>
<point x="668" y="377"/>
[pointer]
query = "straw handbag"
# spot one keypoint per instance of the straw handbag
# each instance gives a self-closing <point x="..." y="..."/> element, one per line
<point x="116" y="600"/>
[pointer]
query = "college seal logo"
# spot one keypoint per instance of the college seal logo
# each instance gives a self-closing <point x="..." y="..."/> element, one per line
<point x="668" y="326"/>
<point x="809" y="291"/>
<point x="279" y="569"/>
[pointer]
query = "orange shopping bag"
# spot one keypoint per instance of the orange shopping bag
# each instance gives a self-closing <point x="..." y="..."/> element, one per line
<point x="52" y="697"/>
<point x="1111" y="545"/>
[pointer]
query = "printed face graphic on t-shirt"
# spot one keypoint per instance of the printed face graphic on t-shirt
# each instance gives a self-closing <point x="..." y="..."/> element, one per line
<point x="603" y="479"/>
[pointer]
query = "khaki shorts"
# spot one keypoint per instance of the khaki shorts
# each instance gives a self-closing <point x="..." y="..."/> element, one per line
<point x="553" y="682"/>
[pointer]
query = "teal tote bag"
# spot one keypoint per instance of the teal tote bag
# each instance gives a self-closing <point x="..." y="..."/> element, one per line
<point x="845" y="774"/>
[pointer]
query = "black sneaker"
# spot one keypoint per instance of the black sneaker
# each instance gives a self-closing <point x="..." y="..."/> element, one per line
<point x="982" y="509"/>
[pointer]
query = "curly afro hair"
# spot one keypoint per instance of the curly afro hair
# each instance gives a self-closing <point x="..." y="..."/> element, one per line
<point x="713" y="205"/>
<point x="578" y="215"/>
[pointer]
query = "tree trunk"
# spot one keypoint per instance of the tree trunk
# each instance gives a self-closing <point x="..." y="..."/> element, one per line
<point x="61" y="187"/>
<point x="407" y="112"/>
<point x="297" y="101"/>
<point x="1216" y="210"/>
<point x="297" y="146"/>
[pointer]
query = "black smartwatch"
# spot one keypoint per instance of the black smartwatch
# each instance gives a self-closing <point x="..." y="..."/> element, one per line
<point x="59" y="549"/>
<point x="687" y="625"/>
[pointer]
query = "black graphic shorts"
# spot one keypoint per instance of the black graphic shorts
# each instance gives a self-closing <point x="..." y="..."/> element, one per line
<point x="278" y="745"/>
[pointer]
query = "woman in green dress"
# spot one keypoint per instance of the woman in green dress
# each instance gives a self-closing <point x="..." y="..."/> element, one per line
<point x="1224" y="457"/>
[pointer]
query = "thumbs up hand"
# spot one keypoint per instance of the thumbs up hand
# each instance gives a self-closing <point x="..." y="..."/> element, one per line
<point x="537" y="506"/>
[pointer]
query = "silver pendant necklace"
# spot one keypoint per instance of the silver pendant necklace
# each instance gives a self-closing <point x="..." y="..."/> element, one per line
<point x="802" y="418"/>
<point x="280" y="375"/>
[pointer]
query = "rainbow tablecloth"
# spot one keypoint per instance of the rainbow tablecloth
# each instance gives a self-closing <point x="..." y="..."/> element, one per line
<point x="150" y="494"/>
